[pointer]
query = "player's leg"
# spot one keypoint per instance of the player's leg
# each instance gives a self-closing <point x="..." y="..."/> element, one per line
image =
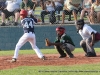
<point x="20" y="43"/>
<point x="69" y="48"/>
<point x="60" y="51"/>
<point x="83" y="45"/>
<point x="90" y="49"/>
<point x="35" y="48"/>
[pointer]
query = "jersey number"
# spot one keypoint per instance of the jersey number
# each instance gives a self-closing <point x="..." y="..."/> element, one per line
<point x="27" y="24"/>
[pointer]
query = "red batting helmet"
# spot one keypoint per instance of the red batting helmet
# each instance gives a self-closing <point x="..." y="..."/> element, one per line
<point x="61" y="30"/>
<point x="23" y="13"/>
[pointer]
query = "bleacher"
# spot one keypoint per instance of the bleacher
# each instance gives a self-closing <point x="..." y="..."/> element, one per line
<point x="38" y="10"/>
<point x="37" y="14"/>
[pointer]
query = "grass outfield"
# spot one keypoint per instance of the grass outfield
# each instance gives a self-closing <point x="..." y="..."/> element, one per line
<point x="92" y="69"/>
<point x="44" y="51"/>
<point x="54" y="70"/>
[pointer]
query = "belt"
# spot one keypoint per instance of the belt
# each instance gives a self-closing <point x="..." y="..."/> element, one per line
<point x="28" y="32"/>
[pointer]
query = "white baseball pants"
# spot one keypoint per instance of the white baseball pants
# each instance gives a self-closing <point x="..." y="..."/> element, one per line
<point x="27" y="37"/>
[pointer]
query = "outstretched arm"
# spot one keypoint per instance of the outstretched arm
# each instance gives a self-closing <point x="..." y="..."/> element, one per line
<point x="48" y="43"/>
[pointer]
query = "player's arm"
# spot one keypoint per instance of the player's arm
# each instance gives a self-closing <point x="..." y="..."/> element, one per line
<point x="93" y="38"/>
<point x="91" y="32"/>
<point x="34" y="6"/>
<point x="34" y="18"/>
<point x="56" y="44"/>
<point x="48" y="43"/>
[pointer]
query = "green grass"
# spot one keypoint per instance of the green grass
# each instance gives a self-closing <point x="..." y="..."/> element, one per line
<point x="45" y="51"/>
<point x="87" y="69"/>
<point x="10" y="52"/>
<point x="54" y="70"/>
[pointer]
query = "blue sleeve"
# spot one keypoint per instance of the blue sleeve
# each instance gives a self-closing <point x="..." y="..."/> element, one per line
<point x="35" y="20"/>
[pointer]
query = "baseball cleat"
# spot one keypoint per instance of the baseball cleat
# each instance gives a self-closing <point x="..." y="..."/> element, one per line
<point x="62" y="56"/>
<point x="13" y="60"/>
<point x="71" y="56"/>
<point x="90" y="54"/>
<point x="43" y="58"/>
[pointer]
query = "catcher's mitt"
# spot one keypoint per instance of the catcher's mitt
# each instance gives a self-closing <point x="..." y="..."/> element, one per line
<point x="47" y="42"/>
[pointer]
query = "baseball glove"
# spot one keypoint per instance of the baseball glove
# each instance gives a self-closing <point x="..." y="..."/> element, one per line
<point x="47" y="42"/>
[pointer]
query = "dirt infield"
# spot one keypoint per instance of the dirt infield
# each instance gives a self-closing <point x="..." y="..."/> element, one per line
<point x="51" y="59"/>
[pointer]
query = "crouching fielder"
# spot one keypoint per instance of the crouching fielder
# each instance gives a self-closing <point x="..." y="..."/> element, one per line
<point x="63" y="43"/>
<point x="28" y="36"/>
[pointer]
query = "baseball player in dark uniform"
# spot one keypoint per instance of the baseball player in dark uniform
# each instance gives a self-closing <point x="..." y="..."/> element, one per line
<point x="90" y="37"/>
<point x="28" y="36"/>
<point x="63" y="43"/>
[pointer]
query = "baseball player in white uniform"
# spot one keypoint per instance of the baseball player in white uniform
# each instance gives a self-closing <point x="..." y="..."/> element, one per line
<point x="90" y="37"/>
<point x="28" y="36"/>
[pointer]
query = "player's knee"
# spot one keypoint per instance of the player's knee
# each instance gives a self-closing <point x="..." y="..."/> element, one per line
<point x="82" y="43"/>
<point x="18" y="46"/>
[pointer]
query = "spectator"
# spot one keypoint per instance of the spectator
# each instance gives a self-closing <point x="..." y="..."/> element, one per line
<point x="48" y="8"/>
<point x="71" y="7"/>
<point x="95" y="12"/>
<point x="42" y="4"/>
<point x="93" y="1"/>
<point x="28" y="5"/>
<point x="86" y="8"/>
<point x="2" y="4"/>
<point x="12" y="9"/>
<point x="35" y="3"/>
<point x="58" y="7"/>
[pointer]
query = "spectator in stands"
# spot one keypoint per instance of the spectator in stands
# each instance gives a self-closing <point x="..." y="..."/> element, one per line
<point x="93" y="1"/>
<point x="28" y="5"/>
<point x="12" y="9"/>
<point x="95" y="12"/>
<point x="71" y="7"/>
<point x="42" y="4"/>
<point x="58" y="7"/>
<point x="35" y="3"/>
<point x="2" y="4"/>
<point x="48" y="8"/>
<point x="86" y="9"/>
